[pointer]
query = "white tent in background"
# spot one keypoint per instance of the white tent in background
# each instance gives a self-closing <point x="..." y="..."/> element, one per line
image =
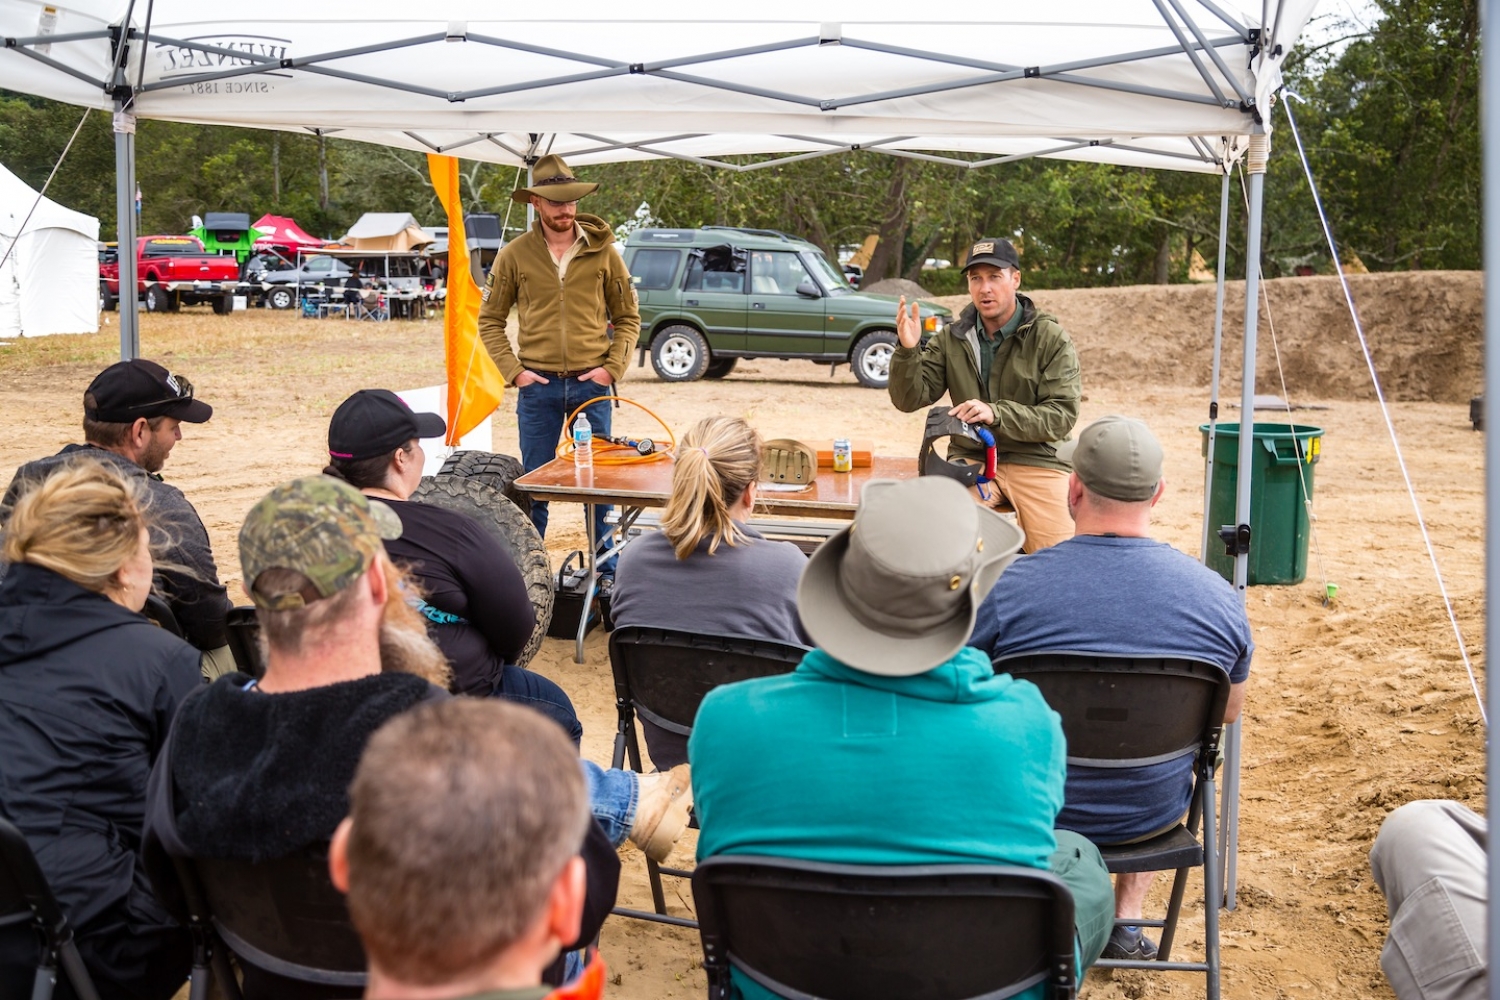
<point x="49" y="282"/>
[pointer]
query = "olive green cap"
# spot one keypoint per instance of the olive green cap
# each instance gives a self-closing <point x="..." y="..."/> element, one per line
<point x="318" y="526"/>
<point x="1119" y="458"/>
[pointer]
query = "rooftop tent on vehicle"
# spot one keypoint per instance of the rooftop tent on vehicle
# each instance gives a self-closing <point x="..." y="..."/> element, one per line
<point x="227" y="232"/>
<point x="382" y="231"/>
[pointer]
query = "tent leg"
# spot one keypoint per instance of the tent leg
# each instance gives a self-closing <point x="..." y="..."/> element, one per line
<point x="1490" y="130"/>
<point x="130" y="325"/>
<point x="1255" y="170"/>
<point x="1209" y="534"/>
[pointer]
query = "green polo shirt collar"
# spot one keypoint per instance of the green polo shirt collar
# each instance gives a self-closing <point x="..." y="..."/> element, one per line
<point x="988" y="346"/>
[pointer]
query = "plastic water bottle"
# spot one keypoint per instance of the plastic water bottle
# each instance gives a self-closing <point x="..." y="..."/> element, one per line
<point x="583" y="443"/>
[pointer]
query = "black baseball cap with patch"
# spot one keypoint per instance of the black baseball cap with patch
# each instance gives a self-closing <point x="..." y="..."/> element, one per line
<point x="996" y="251"/>
<point x="128" y="390"/>
<point x="375" y="421"/>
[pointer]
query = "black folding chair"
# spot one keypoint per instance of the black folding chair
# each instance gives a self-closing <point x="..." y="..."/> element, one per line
<point x="286" y="923"/>
<point x="26" y="898"/>
<point x="662" y="675"/>
<point x="210" y="956"/>
<point x="243" y="629"/>
<point x="159" y="613"/>
<point x="1120" y="712"/>
<point x="813" y="931"/>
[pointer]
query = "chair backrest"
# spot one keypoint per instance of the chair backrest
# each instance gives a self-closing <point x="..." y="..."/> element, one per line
<point x="665" y="673"/>
<point x="1129" y="711"/>
<point x="805" y="929"/>
<point x="285" y="917"/>
<point x="243" y="629"/>
<point x="159" y="613"/>
<point x="23" y="888"/>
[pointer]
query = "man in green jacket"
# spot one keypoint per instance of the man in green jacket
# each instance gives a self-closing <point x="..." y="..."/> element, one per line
<point x="568" y="285"/>
<point x="1007" y="367"/>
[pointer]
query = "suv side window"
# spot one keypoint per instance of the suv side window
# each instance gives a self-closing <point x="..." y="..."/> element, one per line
<point x="654" y="268"/>
<point x="717" y="269"/>
<point x="320" y="264"/>
<point x="776" y="272"/>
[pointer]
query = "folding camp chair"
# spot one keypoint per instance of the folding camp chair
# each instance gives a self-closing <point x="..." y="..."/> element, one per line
<point x="26" y="898"/>
<point x="1120" y="712"/>
<point x="286" y="923"/>
<point x="849" y="932"/>
<point x="243" y="628"/>
<point x="662" y="675"/>
<point x="210" y="956"/>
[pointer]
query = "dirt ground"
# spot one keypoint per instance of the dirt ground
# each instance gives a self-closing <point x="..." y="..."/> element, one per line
<point x="1353" y="709"/>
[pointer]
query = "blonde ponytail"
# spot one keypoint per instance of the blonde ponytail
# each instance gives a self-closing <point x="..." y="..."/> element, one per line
<point x="82" y="522"/>
<point x="717" y="460"/>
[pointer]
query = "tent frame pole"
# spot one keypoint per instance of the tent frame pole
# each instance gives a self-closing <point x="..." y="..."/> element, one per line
<point x="1213" y="399"/>
<point x="1489" y="13"/>
<point x="1255" y="171"/>
<point x="125" y="231"/>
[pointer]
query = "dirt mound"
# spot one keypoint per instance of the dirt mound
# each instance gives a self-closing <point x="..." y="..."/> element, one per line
<point x="1425" y="331"/>
<point x="899" y="286"/>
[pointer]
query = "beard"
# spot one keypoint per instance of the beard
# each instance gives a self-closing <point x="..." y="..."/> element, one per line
<point x="404" y="644"/>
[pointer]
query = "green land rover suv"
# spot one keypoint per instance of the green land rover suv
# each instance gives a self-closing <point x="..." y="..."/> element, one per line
<point x="714" y="295"/>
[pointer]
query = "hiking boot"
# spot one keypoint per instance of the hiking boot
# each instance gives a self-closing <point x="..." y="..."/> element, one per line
<point x="1127" y="941"/>
<point x="661" y="811"/>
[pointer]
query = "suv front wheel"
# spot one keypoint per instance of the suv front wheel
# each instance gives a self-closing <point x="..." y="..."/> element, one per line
<point x="679" y="354"/>
<point x="871" y="359"/>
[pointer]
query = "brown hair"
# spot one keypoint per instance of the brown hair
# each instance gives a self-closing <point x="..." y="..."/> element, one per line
<point x="462" y="815"/>
<point x="82" y="522"/>
<point x="364" y="473"/>
<point x="107" y="434"/>
<point x="717" y="460"/>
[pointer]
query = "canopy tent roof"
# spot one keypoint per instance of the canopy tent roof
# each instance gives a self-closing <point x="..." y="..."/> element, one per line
<point x="18" y="199"/>
<point x="278" y="230"/>
<point x="1153" y="82"/>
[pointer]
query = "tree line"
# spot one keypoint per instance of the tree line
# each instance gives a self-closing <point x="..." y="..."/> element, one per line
<point x="1388" y="113"/>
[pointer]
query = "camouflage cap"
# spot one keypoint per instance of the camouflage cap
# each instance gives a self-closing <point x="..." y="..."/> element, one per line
<point x="318" y="526"/>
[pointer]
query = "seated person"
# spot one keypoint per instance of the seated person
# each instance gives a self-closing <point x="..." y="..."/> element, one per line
<point x="352" y="286"/>
<point x="345" y="653"/>
<point x="87" y="689"/>
<point x="707" y="570"/>
<point x="1112" y="590"/>
<point x="465" y="786"/>
<point x="1431" y="861"/>
<point x="473" y="597"/>
<point x="907" y="747"/>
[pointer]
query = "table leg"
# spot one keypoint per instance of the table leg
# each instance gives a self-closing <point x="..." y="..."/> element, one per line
<point x="592" y="582"/>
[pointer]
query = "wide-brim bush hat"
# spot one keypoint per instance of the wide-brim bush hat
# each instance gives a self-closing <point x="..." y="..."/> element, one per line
<point x="553" y="179"/>
<point x="895" y="593"/>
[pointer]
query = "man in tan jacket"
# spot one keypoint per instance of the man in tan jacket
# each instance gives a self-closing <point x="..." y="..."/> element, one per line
<point x="568" y="285"/>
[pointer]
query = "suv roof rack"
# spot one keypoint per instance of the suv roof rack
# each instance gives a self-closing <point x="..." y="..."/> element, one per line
<point x="778" y="234"/>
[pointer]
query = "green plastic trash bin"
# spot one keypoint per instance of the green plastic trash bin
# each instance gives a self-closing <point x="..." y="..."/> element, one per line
<point x="1282" y="463"/>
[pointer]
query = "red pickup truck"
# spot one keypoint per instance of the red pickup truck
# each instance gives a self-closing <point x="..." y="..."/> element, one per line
<point x="174" y="271"/>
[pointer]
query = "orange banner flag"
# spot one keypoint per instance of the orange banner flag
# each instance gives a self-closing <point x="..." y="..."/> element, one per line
<point x="475" y="386"/>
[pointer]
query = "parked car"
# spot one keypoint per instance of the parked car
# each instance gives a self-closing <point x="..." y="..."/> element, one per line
<point x="172" y="271"/>
<point x="279" y="288"/>
<point x="714" y="295"/>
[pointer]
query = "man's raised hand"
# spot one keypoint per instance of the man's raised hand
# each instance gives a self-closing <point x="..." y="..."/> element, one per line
<point x="908" y="324"/>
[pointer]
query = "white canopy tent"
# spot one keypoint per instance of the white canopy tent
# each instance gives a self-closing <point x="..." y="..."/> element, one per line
<point x="49" y="281"/>
<point x="1171" y="84"/>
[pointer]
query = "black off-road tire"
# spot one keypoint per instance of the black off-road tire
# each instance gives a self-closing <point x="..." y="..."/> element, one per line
<point x="158" y="299"/>
<point x="280" y="298"/>
<point x="223" y="306"/>
<point x="679" y="354"/>
<point x="871" y="358"/>
<point x="508" y="525"/>
<point x="720" y="368"/>
<point x="499" y="471"/>
<point x="107" y="300"/>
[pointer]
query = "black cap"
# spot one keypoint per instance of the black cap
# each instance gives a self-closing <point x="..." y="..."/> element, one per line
<point x="997" y="251"/>
<point x="129" y="390"/>
<point x="374" y="421"/>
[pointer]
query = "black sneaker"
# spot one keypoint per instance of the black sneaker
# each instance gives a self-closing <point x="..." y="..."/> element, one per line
<point x="1128" y="942"/>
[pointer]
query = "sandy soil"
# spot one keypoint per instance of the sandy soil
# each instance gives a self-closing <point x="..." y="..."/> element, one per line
<point x="1354" y="708"/>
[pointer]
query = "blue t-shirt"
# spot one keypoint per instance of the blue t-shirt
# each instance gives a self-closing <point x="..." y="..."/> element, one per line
<point x="1122" y="597"/>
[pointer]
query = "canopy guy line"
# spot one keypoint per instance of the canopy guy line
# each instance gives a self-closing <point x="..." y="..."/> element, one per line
<point x="43" y="192"/>
<point x="1385" y="410"/>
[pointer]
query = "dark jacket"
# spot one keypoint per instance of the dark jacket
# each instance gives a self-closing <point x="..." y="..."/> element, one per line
<point x="251" y="776"/>
<point x="87" y="691"/>
<point x="1034" y="385"/>
<point x="197" y="599"/>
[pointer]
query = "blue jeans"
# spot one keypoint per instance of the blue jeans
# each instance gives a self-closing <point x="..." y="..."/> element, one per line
<point x="540" y="412"/>
<point x="523" y="687"/>
<point x="613" y="795"/>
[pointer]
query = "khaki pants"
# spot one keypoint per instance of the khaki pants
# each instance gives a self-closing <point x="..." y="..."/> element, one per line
<point x="1430" y="862"/>
<point x="215" y="663"/>
<point x="1040" y="497"/>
